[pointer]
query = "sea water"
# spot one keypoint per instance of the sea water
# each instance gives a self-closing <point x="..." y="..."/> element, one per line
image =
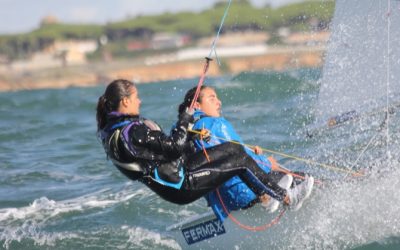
<point x="58" y="191"/>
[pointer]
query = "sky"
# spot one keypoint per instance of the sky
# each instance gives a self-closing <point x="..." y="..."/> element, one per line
<point x="19" y="16"/>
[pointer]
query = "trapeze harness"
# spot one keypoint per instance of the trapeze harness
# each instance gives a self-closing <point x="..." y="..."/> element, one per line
<point x="141" y="151"/>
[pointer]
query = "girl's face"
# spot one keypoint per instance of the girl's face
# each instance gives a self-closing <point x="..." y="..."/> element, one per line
<point x="209" y="104"/>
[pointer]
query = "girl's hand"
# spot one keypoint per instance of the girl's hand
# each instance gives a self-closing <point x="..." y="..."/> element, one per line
<point x="274" y="163"/>
<point x="258" y="150"/>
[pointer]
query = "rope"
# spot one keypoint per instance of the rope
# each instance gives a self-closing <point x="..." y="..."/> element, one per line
<point x="388" y="77"/>
<point x="214" y="43"/>
<point x="246" y="227"/>
<point x="276" y="167"/>
<point x="208" y="59"/>
<point x="386" y="120"/>
<point x="381" y="127"/>
<point x="288" y="156"/>
<point x="204" y="148"/>
<point x="200" y="83"/>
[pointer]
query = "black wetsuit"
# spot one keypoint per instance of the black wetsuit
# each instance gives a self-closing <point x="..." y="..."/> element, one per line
<point x="167" y="164"/>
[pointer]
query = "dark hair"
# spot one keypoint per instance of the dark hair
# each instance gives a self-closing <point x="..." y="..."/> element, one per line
<point x="111" y="98"/>
<point x="189" y="97"/>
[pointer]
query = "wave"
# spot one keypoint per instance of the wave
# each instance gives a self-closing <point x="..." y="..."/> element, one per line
<point x="350" y="214"/>
<point x="146" y="239"/>
<point x="30" y="221"/>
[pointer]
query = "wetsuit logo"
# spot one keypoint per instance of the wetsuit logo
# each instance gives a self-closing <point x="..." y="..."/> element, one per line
<point x="201" y="174"/>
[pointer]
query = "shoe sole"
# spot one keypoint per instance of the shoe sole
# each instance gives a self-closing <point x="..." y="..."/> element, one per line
<point x="310" y="188"/>
<point x="285" y="182"/>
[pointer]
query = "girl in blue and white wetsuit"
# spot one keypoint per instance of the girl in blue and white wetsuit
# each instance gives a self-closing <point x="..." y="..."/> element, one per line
<point x="235" y="193"/>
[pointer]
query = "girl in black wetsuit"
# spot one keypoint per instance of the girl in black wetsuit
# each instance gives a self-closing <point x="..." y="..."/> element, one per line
<point x="167" y="164"/>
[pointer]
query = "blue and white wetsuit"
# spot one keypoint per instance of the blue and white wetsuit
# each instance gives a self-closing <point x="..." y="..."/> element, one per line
<point x="234" y="193"/>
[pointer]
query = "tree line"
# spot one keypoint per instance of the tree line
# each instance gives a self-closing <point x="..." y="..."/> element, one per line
<point x="242" y="16"/>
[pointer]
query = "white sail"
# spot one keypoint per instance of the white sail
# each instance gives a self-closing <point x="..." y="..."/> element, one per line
<point x="362" y="65"/>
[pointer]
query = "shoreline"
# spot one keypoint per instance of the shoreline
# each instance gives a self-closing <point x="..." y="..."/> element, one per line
<point x="277" y="59"/>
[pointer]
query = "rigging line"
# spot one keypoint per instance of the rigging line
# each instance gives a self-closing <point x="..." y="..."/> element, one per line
<point x="214" y="43"/>
<point x="388" y="77"/>
<point x="381" y="127"/>
<point x="280" y="168"/>
<point x="288" y="156"/>
<point x="274" y="165"/>
<point x="200" y="83"/>
<point x="208" y="59"/>
<point x="363" y="151"/>
<point x="247" y="227"/>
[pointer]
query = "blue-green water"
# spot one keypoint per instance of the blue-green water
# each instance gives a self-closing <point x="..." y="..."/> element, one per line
<point x="57" y="190"/>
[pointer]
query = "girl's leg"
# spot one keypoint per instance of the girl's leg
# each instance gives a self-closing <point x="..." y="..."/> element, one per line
<point x="228" y="160"/>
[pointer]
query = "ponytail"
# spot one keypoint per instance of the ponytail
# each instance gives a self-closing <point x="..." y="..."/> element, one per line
<point x="101" y="115"/>
<point x="110" y="100"/>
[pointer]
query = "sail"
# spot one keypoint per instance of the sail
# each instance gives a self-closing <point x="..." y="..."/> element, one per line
<point x="362" y="64"/>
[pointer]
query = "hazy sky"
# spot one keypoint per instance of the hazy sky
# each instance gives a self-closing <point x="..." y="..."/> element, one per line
<point x="18" y="16"/>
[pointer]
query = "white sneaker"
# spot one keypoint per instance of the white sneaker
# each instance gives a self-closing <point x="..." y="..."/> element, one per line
<point x="272" y="205"/>
<point x="301" y="192"/>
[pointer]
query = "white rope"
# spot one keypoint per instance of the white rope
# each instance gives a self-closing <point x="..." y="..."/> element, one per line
<point x="388" y="78"/>
<point x="386" y="121"/>
<point x="214" y="43"/>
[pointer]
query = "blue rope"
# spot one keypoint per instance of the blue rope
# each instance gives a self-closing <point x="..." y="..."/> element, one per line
<point x="208" y="59"/>
<point x="219" y="30"/>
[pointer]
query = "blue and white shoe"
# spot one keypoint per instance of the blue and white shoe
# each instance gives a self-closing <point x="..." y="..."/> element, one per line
<point x="272" y="205"/>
